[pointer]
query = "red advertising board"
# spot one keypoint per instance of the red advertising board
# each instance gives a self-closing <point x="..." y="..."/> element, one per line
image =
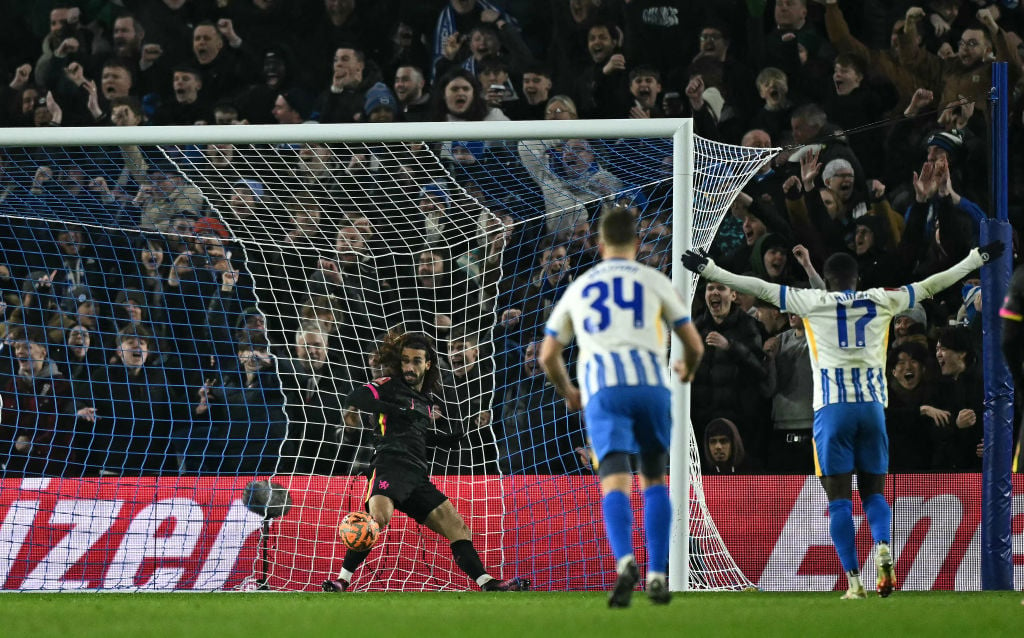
<point x="776" y="527"/>
<point x="195" y="533"/>
<point x="148" y="533"/>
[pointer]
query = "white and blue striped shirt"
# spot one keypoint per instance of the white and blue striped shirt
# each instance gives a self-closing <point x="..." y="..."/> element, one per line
<point x="848" y="331"/>
<point x="847" y="335"/>
<point x="617" y="311"/>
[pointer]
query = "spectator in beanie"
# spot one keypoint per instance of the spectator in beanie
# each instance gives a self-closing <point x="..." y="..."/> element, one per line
<point x="381" y="105"/>
<point x="257" y="101"/>
<point x="293" y="107"/>
<point x="910" y="325"/>
<point x="877" y="265"/>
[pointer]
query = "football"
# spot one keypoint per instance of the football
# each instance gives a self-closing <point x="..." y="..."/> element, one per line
<point x="358" y="531"/>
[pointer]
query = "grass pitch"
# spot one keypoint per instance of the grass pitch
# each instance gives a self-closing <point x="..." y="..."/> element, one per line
<point x="523" y="615"/>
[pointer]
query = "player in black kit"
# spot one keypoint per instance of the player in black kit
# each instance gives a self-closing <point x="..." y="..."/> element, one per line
<point x="1012" y="313"/>
<point x="398" y="478"/>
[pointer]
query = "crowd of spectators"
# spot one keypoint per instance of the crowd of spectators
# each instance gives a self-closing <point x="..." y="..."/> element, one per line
<point x="220" y="326"/>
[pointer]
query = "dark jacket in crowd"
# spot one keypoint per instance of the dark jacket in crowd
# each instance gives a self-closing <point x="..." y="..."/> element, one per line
<point x="726" y="375"/>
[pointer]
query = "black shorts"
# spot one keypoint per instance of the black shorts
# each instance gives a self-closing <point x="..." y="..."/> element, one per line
<point x="409" y="489"/>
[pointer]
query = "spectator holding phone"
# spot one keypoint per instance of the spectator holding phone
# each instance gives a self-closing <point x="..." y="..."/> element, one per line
<point x="493" y="74"/>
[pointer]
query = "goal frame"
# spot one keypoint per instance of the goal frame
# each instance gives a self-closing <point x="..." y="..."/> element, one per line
<point x="680" y="130"/>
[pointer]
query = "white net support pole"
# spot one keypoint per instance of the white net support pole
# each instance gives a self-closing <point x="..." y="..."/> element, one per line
<point x="679" y="461"/>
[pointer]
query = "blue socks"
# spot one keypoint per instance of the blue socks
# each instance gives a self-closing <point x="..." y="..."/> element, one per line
<point x="840" y="527"/>
<point x="618" y="523"/>
<point x="658" y="527"/>
<point x="879" y="517"/>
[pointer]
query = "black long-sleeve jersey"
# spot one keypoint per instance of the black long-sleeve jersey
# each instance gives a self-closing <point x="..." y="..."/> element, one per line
<point x="401" y="420"/>
<point x="1013" y="304"/>
<point x="1013" y="326"/>
<point x="1012" y="313"/>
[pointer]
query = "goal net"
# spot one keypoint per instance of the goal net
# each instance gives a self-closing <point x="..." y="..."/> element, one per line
<point x="186" y="309"/>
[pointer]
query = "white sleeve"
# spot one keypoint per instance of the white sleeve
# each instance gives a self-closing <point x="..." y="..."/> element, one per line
<point x="751" y="285"/>
<point x="559" y="324"/>
<point x="896" y="301"/>
<point x="942" y="280"/>
<point x="798" y="301"/>
<point x="675" y="309"/>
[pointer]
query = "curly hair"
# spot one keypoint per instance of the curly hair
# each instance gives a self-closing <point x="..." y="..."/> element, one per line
<point x="390" y="356"/>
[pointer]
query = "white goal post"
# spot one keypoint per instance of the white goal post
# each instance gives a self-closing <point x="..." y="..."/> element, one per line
<point x="705" y="178"/>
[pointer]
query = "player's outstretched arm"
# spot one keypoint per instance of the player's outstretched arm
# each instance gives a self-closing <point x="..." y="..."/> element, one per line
<point x="977" y="258"/>
<point x="553" y="364"/>
<point x="705" y="267"/>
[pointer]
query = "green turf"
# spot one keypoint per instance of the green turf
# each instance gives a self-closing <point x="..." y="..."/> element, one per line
<point x="529" y="615"/>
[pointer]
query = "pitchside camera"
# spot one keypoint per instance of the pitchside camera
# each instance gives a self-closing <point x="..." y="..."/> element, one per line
<point x="269" y="500"/>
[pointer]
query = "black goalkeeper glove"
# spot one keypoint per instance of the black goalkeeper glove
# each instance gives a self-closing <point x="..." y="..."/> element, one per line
<point x="992" y="250"/>
<point x="695" y="260"/>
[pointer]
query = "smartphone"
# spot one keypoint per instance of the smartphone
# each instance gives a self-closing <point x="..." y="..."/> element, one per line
<point x="672" y="103"/>
<point x="497" y="87"/>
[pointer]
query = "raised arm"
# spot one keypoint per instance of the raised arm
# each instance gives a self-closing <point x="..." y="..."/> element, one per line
<point x="839" y="31"/>
<point x="705" y="267"/>
<point x="803" y="257"/>
<point x="977" y="258"/>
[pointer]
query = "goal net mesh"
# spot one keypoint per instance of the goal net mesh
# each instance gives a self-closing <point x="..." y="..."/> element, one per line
<point x="185" y="313"/>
